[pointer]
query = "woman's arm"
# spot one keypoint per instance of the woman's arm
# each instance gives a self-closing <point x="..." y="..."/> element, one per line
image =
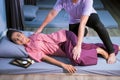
<point x="68" y="67"/>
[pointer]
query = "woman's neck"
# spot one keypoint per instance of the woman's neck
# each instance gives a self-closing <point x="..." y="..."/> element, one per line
<point x="27" y="41"/>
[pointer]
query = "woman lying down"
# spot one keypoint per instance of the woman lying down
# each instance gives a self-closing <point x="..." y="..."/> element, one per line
<point x="60" y="43"/>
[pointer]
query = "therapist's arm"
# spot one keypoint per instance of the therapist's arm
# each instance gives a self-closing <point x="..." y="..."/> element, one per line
<point x="51" y="15"/>
<point x="77" y="48"/>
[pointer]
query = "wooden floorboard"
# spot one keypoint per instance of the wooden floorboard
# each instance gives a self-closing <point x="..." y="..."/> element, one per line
<point x="60" y="76"/>
<point x="112" y="32"/>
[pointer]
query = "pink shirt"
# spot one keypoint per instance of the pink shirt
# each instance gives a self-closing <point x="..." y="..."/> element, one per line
<point x="45" y="44"/>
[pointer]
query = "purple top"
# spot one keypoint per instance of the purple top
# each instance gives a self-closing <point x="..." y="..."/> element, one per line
<point x="75" y="10"/>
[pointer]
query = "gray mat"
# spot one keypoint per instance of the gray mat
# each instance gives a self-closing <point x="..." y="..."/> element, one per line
<point x="107" y="19"/>
<point x="46" y="3"/>
<point x="62" y="19"/>
<point x="97" y="4"/>
<point x="101" y="68"/>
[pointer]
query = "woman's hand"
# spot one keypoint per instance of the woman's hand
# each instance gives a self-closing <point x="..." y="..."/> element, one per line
<point x="69" y="68"/>
<point x="76" y="52"/>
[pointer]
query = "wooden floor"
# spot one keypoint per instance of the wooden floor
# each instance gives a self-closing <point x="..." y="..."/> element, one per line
<point x="59" y="76"/>
<point x="112" y="32"/>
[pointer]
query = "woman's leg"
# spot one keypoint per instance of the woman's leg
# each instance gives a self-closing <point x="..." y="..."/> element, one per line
<point x="102" y="52"/>
<point x="90" y="51"/>
<point x="115" y="46"/>
<point x="95" y="23"/>
<point x="89" y="54"/>
<point x="87" y="57"/>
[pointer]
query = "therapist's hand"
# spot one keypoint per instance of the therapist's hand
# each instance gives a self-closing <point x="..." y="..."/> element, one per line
<point x="76" y="52"/>
<point x="39" y="30"/>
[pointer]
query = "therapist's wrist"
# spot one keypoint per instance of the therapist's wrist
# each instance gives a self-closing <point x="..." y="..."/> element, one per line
<point x="78" y="45"/>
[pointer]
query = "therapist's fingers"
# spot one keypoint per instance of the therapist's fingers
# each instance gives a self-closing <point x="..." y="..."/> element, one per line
<point x="76" y="53"/>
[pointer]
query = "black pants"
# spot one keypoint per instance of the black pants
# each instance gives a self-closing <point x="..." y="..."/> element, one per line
<point x="95" y="23"/>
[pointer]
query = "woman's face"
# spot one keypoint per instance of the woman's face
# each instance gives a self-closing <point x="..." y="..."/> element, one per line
<point x="19" y="38"/>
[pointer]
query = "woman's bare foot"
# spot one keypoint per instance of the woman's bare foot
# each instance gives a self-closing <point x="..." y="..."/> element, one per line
<point x="112" y="58"/>
<point x="102" y="52"/>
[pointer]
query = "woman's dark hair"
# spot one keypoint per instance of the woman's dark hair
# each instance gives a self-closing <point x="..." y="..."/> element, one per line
<point x="10" y="32"/>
